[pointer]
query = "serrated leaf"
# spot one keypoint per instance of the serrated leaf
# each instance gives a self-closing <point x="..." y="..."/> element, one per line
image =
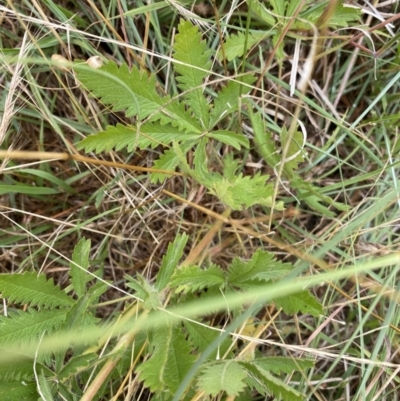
<point x="267" y="384"/>
<point x="193" y="53"/>
<point x="17" y="367"/>
<point x="13" y="390"/>
<point x="225" y="376"/>
<point x="193" y="278"/>
<point x="170" y="360"/>
<point x="80" y="257"/>
<point x="76" y="364"/>
<point x="149" y="135"/>
<point x="33" y="289"/>
<point x="262" y="266"/>
<point x="44" y="386"/>
<point x="79" y="315"/>
<point x="228" y="99"/>
<point x="230" y="138"/>
<point x="263" y="139"/>
<point x="201" y="337"/>
<point x="294" y="153"/>
<point x="135" y="92"/>
<point x="235" y="44"/>
<point x="281" y="364"/>
<point x="244" y="192"/>
<point x="27" y="326"/>
<point x="168" y="161"/>
<point x="301" y="301"/>
<point x="170" y="261"/>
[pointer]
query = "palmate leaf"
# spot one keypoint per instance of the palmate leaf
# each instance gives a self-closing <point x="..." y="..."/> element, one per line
<point x="223" y="376"/>
<point x="192" y="52"/>
<point x="262" y="266"/>
<point x="149" y="135"/>
<point x="267" y="384"/>
<point x="33" y="289"/>
<point x="27" y="326"/>
<point x="170" y="361"/>
<point x="135" y="92"/>
<point x="301" y="301"/>
<point x="193" y="278"/>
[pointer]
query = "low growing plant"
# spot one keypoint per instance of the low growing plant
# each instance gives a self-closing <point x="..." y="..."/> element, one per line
<point x="187" y="357"/>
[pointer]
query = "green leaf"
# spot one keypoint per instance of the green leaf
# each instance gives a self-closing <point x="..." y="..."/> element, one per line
<point x="49" y="177"/>
<point x="301" y="301"/>
<point x="342" y="15"/>
<point x="201" y="337"/>
<point x="17" y="367"/>
<point x="145" y="291"/>
<point x="295" y="153"/>
<point x="228" y="100"/>
<point x="266" y="384"/>
<point x="193" y="278"/>
<point x="80" y="257"/>
<point x="76" y="364"/>
<point x="265" y="145"/>
<point x="243" y="192"/>
<point x="230" y="138"/>
<point x="44" y="387"/>
<point x="262" y="266"/>
<point x="259" y="11"/>
<point x="13" y="390"/>
<point x="193" y="53"/>
<point x="26" y="189"/>
<point x="135" y="92"/>
<point x="168" y="161"/>
<point x="281" y="364"/>
<point x="79" y="315"/>
<point x="170" y="361"/>
<point x="27" y="326"/>
<point x="237" y="191"/>
<point x="279" y="6"/>
<point x="224" y="376"/>
<point x="149" y="135"/>
<point x="235" y="44"/>
<point x="170" y="261"/>
<point x="312" y="196"/>
<point x="33" y="289"/>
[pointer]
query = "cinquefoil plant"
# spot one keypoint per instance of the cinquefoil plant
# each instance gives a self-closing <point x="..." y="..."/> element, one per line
<point x="187" y="358"/>
<point x="174" y="358"/>
<point x="184" y="123"/>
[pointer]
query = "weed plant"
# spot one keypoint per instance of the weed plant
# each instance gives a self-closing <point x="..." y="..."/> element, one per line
<point x="199" y="200"/>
